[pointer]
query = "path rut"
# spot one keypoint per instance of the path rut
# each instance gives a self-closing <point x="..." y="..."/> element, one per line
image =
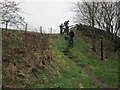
<point x="87" y="70"/>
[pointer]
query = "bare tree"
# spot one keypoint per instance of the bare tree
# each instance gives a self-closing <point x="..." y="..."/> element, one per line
<point x="108" y="15"/>
<point x="116" y="40"/>
<point x="86" y="12"/>
<point x="117" y="18"/>
<point x="10" y="14"/>
<point x="100" y="14"/>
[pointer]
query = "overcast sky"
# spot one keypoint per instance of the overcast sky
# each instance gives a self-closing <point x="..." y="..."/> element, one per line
<point x="47" y="13"/>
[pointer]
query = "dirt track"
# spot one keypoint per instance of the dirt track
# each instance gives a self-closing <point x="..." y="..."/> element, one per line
<point x="87" y="70"/>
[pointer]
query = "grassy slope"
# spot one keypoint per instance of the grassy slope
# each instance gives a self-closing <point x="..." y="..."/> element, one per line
<point x="23" y="58"/>
<point x="9" y="42"/>
<point x="106" y="71"/>
<point x="69" y="75"/>
<point x="72" y="75"/>
<point x="63" y="72"/>
<point x="18" y="69"/>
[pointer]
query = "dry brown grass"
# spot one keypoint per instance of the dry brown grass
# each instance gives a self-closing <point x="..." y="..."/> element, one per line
<point x="24" y="59"/>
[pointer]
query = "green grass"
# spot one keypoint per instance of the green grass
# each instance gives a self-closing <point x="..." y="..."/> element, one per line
<point x="106" y="71"/>
<point x="64" y="72"/>
<point x="19" y="60"/>
<point x="70" y="75"/>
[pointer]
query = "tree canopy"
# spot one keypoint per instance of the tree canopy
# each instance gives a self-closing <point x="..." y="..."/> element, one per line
<point x="10" y="14"/>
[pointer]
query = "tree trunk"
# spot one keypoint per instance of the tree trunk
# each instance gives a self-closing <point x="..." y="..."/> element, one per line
<point x="93" y="23"/>
<point x="116" y="43"/>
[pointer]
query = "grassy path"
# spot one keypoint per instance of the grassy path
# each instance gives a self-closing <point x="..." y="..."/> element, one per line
<point x="94" y="78"/>
<point x="85" y="69"/>
<point x="77" y="67"/>
<point x="74" y="67"/>
<point x="65" y="73"/>
<point x="106" y="70"/>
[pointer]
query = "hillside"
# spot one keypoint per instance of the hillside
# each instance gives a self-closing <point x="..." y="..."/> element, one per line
<point x="82" y="55"/>
<point x="112" y="42"/>
<point x="24" y="57"/>
<point x="35" y="60"/>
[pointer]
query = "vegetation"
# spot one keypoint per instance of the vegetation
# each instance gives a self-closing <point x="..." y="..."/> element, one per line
<point x="25" y="56"/>
<point x="106" y="70"/>
<point x="10" y="14"/>
<point x="21" y="65"/>
<point x="104" y="15"/>
<point x="31" y="65"/>
<point x="36" y="60"/>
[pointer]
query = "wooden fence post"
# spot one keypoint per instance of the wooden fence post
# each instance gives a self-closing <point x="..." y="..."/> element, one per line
<point x="101" y="42"/>
<point x="40" y="29"/>
<point x="25" y="28"/>
<point x="51" y="30"/>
